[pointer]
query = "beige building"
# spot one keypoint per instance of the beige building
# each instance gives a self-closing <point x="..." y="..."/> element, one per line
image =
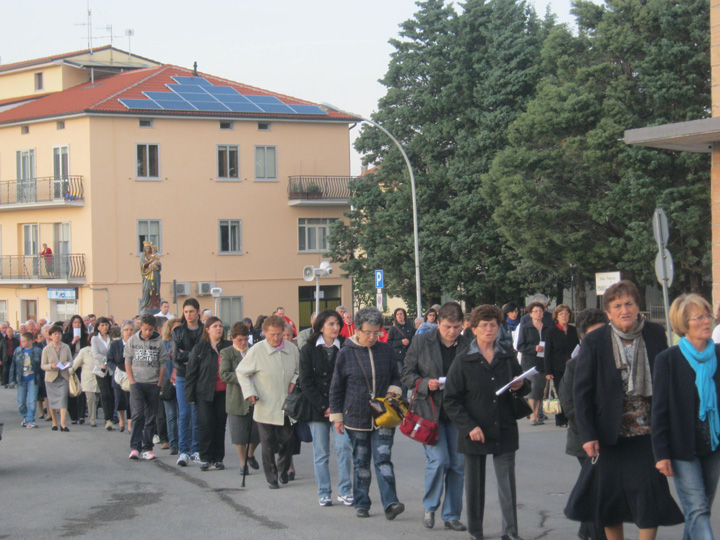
<point x="100" y="152"/>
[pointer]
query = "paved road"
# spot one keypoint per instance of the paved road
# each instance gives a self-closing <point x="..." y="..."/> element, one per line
<point x="81" y="485"/>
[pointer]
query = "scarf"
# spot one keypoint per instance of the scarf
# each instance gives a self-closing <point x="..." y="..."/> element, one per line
<point x="705" y="364"/>
<point x="512" y="323"/>
<point x="639" y="378"/>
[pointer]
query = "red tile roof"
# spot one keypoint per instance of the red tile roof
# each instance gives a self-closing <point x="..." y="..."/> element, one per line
<point x="103" y="96"/>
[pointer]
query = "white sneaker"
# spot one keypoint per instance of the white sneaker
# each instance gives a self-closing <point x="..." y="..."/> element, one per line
<point x="134" y="454"/>
<point x="196" y="457"/>
<point x="183" y="460"/>
<point x="347" y="500"/>
<point x="325" y="501"/>
<point x="148" y="455"/>
<point x="156" y="439"/>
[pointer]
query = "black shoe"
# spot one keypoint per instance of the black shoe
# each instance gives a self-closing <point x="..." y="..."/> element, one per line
<point x="204" y="466"/>
<point x="284" y="478"/>
<point x="476" y="537"/>
<point x="54" y="428"/>
<point x="510" y="536"/>
<point x="362" y="512"/>
<point x="122" y="428"/>
<point x="394" y="510"/>
<point x="455" y="525"/>
<point x="173" y="450"/>
<point x="244" y="470"/>
<point x="273" y="485"/>
<point x="253" y="462"/>
<point x="429" y="519"/>
<point x="81" y="421"/>
<point x="219" y="466"/>
<point x="291" y="475"/>
<point x="64" y="429"/>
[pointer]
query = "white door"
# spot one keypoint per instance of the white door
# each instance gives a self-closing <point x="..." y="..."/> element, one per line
<point x="25" y="176"/>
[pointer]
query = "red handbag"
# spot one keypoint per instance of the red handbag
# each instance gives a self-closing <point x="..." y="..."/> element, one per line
<point x="418" y="428"/>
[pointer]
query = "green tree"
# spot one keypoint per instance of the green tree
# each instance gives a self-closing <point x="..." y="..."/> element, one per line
<point x="591" y="197"/>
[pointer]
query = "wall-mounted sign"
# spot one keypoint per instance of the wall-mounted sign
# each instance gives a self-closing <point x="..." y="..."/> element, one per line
<point x="62" y="294"/>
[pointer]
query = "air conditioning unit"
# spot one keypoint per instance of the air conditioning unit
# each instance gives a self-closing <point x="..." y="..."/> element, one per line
<point x="182" y="288"/>
<point x="204" y="288"/>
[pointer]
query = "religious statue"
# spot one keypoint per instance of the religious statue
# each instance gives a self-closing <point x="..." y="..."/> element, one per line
<point x="150" y="267"/>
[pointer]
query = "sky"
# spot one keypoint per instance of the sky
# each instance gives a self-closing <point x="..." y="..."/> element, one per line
<point x="331" y="51"/>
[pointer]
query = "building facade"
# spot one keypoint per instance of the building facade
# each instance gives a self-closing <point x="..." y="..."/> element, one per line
<point x="236" y="186"/>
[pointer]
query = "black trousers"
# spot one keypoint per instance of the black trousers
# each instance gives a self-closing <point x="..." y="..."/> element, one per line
<point x="77" y="406"/>
<point x="161" y="422"/>
<point x="475" y="491"/>
<point x="107" y="397"/>
<point x="211" y="419"/>
<point x="276" y="440"/>
<point x="143" y="402"/>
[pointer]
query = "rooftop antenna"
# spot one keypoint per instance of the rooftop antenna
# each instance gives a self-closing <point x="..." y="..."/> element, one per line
<point x="108" y="28"/>
<point x="129" y="32"/>
<point x="89" y="38"/>
<point x="195" y="73"/>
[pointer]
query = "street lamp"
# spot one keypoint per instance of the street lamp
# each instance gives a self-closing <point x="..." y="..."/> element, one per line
<point x="414" y="196"/>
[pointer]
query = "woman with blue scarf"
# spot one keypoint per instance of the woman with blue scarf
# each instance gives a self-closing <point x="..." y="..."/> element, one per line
<point x="685" y="418"/>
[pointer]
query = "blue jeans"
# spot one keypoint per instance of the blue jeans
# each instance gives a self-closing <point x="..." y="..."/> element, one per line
<point x="187" y="436"/>
<point x="321" y="454"/>
<point x="696" y="482"/>
<point x="378" y="444"/>
<point x="171" y="418"/>
<point x="27" y="400"/>
<point x="444" y="468"/>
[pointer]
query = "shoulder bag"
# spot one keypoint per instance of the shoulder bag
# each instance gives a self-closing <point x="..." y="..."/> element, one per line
<point x="551" y="403"/>
<point x="167" y="390"/>
<point x="297" y="407"/>
<point x="418" y="428"/>
<point x="74" y="388"/>
<point x="519" y="404"/>
<point x="386" y="412"/>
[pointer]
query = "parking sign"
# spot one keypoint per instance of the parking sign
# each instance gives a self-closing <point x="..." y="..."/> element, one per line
<point x="379" y="279"/>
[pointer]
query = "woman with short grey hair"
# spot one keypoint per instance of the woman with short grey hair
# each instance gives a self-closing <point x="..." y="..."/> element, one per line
<point x="366" y="368"/>
<point x="116" y="361"/>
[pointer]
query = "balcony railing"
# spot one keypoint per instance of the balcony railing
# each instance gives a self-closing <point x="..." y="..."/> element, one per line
<point x="319" y="188"/>
<point x="33" y="267"/>
<point x="48" y="189"/>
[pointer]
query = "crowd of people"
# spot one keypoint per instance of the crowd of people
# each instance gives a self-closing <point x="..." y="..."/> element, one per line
<point x="636" y="411"/>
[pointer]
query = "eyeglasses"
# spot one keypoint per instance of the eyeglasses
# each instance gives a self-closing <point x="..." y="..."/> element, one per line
<point x="369" y="333"/>
<point x="702" y="317"/>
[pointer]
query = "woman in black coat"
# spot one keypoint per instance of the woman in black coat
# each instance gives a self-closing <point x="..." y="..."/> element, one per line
<point x="401" y="334"/>
<point x="76" y="405"/>
<point x="559" y="345"/>
<point x="116" y="361"/>
<point x="612" y="395"/>
<point x="485" y="421"/>
<point x="317" y="363"/>
<point x="206" y="390"/>
<point x="531" y="345"/>
<point x="685" y="417"/>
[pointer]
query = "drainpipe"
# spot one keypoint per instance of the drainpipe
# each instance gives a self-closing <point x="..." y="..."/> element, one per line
<point x="107" y="297"/>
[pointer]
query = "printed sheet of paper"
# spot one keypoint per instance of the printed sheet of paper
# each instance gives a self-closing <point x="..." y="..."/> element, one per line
<point x="529" y="373"/>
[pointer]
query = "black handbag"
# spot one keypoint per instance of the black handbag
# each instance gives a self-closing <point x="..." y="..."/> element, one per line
<point x="519" y="404"/>
<point x="297" y="407"/>
<point x="167" y="390"/>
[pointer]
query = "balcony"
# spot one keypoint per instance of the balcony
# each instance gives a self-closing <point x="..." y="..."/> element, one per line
<point x="45" y="192"/>
<point x="318" y="190"/>
<point x="42" y="269"/>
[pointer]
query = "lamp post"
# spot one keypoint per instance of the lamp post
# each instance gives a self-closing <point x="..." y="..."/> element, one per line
<point x="414" y="196"/>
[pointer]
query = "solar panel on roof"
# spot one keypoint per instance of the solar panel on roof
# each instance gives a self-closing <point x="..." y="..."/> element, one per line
<point x="280" y="108"/>
<point x="140" y="104"/>
<point x="175" y="105"/>
<point x="308" y="109"/>
<point x="214" y="106"/>
<point x="222" y="90"/>
<point x="164" y="96"/>
<point x="192" y="81"/>
<point x="233" y="99"/>
<point x="186" y="90"/>
<point x="263" y="100"/>
<point x="203" y="98"/>
<point x="243" y="107"/>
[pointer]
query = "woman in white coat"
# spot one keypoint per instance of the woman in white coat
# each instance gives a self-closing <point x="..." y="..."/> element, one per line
<point x="86" y="361"/>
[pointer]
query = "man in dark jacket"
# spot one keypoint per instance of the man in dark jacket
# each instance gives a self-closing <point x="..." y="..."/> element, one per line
<point x="184" y="338"/>
<point x="427" y="363"/>
<point x="12" y="342"/>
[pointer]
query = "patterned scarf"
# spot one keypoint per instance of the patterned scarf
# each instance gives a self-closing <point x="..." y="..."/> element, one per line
<point x="639" y="378"/>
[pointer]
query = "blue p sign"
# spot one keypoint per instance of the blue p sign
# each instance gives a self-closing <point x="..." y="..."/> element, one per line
<point x="379" y="281"/>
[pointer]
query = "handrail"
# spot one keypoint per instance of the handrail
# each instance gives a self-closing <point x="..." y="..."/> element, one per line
<point x="61" y="267"/>
<point x="319" y="187"/>
<point x="41" y="189"/>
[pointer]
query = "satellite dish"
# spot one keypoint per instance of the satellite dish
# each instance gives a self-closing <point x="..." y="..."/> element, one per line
<point x="308" y="273"/>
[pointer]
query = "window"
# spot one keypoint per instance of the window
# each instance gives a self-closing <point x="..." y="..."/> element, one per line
<point x="3" y="311"/>
<point x="60" y="124"/>
<point x="26" y="183"/>
<point x="24" y="130"/>
<point x="227" y="125"/>
<point x="227" y="161"/>
<point x="61" y="162"/>
<point x="38" y="81"/>
<point x="229" y="236"/>
<point x="313" y="233"/>
<point x="147" y="161"/>
<point x="231" y="309"/>
<point x="62" y="310"/>
<point x="149" y="231"/>
<point x="263" y="126"/>
<point x="147" y="123"/>
<point x="265" y="163"/>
